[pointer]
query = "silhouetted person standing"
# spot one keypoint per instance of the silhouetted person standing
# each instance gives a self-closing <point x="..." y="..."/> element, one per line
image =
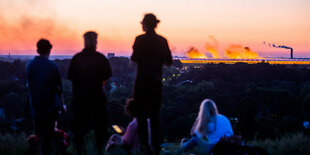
<point x="88" y="72"/>
<point x="44" y="83"/>
<point x="150" y="52"/>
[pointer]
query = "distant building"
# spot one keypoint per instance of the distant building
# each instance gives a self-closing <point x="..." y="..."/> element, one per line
<point x="111" y="55"/>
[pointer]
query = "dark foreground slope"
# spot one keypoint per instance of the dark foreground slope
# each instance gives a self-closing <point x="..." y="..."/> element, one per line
<point x="262" y="100"/>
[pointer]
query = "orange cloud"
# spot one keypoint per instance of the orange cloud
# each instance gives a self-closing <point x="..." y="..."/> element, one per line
<point x="27" y="30"/>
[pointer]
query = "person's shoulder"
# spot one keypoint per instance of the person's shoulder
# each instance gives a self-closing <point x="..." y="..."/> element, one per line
<point x="53" y="64"/>
<point x="133" y="123"/>
<point x="224" y="122"/>
<point x="161" y="37"/>
<point x="141" y="36"/>
<point x="222" y="117"/>
<point x="100" y="55"/>
<point x="77" y="55"/>
<point x="29" y="63"/>
<point x="34" y="61"/>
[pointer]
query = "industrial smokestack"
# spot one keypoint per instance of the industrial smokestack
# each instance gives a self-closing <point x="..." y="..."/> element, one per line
<point x="281" y="46"/>
<point x="292" y="53"/>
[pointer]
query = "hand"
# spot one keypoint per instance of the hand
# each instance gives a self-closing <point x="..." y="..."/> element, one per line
<point x="116" y="139"/>
<point x="63" y="108"/>
<point x="183" y="141"/>
<point x="123" y="129"/>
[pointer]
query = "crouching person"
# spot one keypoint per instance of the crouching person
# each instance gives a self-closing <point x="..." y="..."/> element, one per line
<point x="130" y="140"/>
<point x="208" y="129"/>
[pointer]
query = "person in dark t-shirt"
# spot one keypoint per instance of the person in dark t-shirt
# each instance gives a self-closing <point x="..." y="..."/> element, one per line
<point x="88" y="72"/>
<point x="45" y="94"/>
<point x="150" y="52"/>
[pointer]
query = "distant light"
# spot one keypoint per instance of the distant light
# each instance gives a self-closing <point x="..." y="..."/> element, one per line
<point x="248" y="61"/>
<point x="306" y="125"/>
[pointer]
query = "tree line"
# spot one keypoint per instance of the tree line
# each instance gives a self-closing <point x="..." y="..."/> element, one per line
<point x="262" y="100"/>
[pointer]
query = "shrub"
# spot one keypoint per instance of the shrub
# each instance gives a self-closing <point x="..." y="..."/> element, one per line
<point x="13" y="144"/>
<point x="297" y="143"/>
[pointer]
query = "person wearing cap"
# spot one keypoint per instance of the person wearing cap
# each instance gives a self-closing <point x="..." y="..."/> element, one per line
<point x="88" y="72"/>
<point x="151" y="52"/>
<point x="45" y="94"/>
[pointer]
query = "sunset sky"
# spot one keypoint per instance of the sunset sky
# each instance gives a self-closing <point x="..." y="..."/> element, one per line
<point x="185" y="23"/>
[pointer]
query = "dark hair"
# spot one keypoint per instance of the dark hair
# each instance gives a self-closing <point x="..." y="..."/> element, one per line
<point x="90" y="35"/>
<point x="130" y="107"/>
<point x="150" y="20"/>
<point x="44" y="46"/>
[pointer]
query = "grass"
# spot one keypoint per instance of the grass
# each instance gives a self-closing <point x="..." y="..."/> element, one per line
<point x="13" y="144"/>
<point x="297" y="144"/>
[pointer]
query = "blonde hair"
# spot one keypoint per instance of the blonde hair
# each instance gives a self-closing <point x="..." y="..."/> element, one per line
<point x="207" y="114"/>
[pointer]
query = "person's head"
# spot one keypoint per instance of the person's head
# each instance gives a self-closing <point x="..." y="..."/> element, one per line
<point x="44" y="47"/>
<point x="207" y="114"/>
<point x="130" y="107"/>
<point x="149" y="22"/>
<point x="90" y="39"/>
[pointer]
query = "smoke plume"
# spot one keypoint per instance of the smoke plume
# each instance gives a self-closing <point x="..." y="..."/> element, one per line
<point x="277" y="46"/>
<point x="235" y="51"/>
<point x="194" y="53"/>
<point x="212" y="47"/>
<point x="25" y="29"/>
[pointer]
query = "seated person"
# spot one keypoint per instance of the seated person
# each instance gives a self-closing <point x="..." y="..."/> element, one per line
<point x="130" y="140"/>
<point x="208" y="129"/>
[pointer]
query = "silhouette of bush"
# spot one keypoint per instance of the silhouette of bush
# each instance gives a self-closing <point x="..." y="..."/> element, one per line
<point x="296" y="143"/>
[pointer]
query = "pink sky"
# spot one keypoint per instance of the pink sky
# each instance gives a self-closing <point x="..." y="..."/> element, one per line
<point x="184" y="23"/>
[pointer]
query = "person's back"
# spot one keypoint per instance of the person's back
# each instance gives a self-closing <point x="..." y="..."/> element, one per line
<point x="43" y="81"/>
<point x="208" y="129"/>
<point x="45" y="97"/>
<point x="130" y="141"/>
<point x="131" y="135"/>
<point x="223" y="128"/>
<point x="88" y="72"/>
<point x="151" y="52"/>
